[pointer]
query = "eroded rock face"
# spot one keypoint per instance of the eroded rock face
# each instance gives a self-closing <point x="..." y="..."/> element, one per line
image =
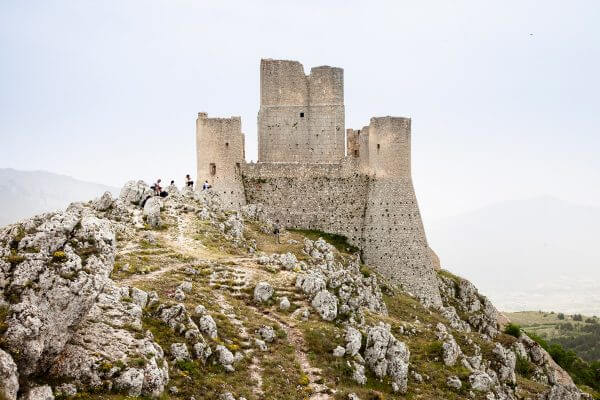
<point x="483" y="316"/>
<point x="387" y="356"/>
<point x="104" y="344"/>
<point x="104" y="202"/>
<point x="152" y="211"/>
<point x="9" y="377"/>
<point x="61" y="263"/>
<point x="38" y="393"/>
<point x="135" y="192"/>
<point x="353" y="291"/>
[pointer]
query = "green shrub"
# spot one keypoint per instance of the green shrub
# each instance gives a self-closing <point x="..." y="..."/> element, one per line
<point x="4" y="311"/>
<point x="524" y="367"/>
<point x="561" y="316"/>
<point x="59" y="256"/>
<point x="513" y="330"/>
<point x="14" y="259"/>
<point x="434" y="349"/>
<point x="577" y="317"/>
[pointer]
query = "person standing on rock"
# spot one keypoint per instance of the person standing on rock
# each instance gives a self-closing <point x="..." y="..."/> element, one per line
<point x="277" y="232"/>
<point x="188" y="181"/>
<point x="206" y="185"/>
<point x="157" y="188"/>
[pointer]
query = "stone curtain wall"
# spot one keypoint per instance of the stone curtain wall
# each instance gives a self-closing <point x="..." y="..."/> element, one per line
<point x="326" y="197"/>
<point x="301" y="118"/>
<point x="220" y="156"/>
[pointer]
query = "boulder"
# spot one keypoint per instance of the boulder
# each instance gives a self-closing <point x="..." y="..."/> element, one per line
<point x="9" y="377"/>
<point x="135" y="192"/>
<point x="263" y="292"/>
<point x="152" y="211"/>
<point x="353" y="341"/>
<point x="326" y="305"/>
<point x="104" y="202"/>
<point x="179" y="351"/>
<point x="48" y="304"/>
<point x="202" y="351"/>
<point x="208" y="325"/>
<point x="284" y="304"/>
<point x="38" y="393"/>
<point x="339" y="351"/>
<point x="480" y="381"/>
<point x="267" y="333"/>
<point x="387" y="356"/>
<point x="454" y="382"/>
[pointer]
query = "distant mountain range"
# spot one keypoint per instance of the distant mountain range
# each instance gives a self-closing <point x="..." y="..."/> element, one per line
<point x="27" y="193"/>
<point x="540" y="253"/>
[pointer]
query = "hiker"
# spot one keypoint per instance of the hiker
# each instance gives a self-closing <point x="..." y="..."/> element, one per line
<point x="172" y="183"/>
<point x="188" y="181"/>
<point x="276" y="233"/>
<point x="158" y="191"/>
<point x="206" y="185"/>
<point x="156" y="187"/>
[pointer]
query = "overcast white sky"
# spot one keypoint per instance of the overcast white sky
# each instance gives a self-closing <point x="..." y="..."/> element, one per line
<point x="504" y="96"/>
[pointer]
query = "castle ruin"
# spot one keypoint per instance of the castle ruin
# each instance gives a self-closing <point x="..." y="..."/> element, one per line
<point x="313" y="174"/>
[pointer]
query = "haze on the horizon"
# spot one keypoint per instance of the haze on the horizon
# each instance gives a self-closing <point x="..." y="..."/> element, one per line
<point x="503" y="96"/>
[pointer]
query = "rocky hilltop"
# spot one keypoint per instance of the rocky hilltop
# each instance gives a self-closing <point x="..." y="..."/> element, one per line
<point x="182" y="298"/>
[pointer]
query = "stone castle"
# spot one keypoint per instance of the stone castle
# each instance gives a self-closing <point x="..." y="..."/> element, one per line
<point x="312" y="173"/>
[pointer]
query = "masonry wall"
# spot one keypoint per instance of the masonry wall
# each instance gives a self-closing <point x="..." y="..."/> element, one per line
<point x="301" y="118"/>
<point x="394" y="239"/>
<point x="220" y="155"/>
<point x="326" y="197"/>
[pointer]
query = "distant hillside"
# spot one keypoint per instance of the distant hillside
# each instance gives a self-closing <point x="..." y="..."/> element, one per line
<point x="26" y="193"/>
<point x="535" y="254"/>
<point x="576" y="332"/>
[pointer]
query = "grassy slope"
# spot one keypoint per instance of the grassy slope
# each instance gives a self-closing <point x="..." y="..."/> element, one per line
<point x="161" y="266"/>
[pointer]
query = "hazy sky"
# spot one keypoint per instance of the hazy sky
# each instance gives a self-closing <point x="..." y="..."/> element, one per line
<point x="504" y="96"/>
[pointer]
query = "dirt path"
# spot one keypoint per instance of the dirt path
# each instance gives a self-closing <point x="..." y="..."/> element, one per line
<point x="320" y="391"/>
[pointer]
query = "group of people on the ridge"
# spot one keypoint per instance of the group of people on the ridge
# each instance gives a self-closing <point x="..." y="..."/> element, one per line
<point x="159" y="191"/>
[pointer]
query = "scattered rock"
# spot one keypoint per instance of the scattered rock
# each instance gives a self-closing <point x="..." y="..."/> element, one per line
<point x="208" y="325"/>
<point x="454" y="382"/>
<point x="353" y="341"/>
<point x="326" y="305"/>
<point x="263" y="292"/>
<point x="267" y="333"/>
<point x="480" y="381"/>
<point x="284" y="304"/>
<point x="339" y="351"/>
<point x="179" y="351"/>
<point x="38" y="393"/>
<point x="152" y="211"/>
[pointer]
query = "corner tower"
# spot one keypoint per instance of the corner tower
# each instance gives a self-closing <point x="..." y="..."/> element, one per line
<point x="220" y="154"/>
<point x="301" y="118"/>
<point x="393" y="235"/>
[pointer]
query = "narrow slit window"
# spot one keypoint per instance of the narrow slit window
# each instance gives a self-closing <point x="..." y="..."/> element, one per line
<point x="301" y="115"/>
<point x="212" y="168"/>
<point x="378" y="147"/>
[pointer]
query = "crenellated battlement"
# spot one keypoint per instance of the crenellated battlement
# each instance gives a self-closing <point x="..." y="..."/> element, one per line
<point x="312" y="173"/>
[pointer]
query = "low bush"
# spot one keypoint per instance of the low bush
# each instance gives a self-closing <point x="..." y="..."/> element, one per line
<point x="513" y="330"/>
